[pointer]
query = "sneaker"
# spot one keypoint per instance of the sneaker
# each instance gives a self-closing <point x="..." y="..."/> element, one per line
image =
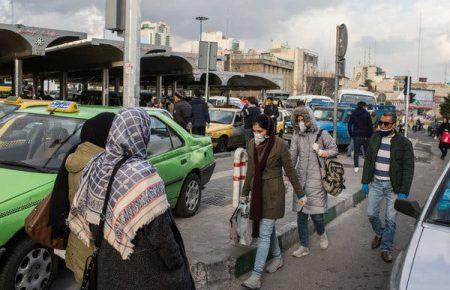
<point x="254" y="282"/>
<point x="386" y="256"/>
<point x="356" y="169"/>
<point x="323" y="241"/>
<point x="274" y="265"/>
<point x="301" y="252"/>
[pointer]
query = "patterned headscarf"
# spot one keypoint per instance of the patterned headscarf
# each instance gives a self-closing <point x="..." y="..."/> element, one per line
<point x="137" y="194"/>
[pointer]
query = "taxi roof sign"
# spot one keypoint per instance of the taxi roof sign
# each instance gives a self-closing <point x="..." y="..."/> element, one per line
<point x="13" y="100"/>
<point x="63" y="106"/>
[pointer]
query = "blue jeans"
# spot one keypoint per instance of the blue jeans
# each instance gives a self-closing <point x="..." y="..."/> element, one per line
<point x="267" y="241"/>
<point x="379" y="190"/>
<point x="302" y="225"/>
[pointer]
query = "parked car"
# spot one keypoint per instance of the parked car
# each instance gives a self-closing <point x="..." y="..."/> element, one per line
<point x="425" y="263"/>
<point x="283" y="117"/>
<point x="92" y="97"/>
<point x="324" y="117"/>
<point x="33" y="144"/>
<point x="226" y="129"/>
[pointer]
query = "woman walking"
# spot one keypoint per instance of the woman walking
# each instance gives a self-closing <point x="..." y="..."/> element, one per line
<point x="306" y="154"/>
<point x="268" y="156"/>
<point x="141" y="246"/>
<point x="93" y="139"/>
<point x="444" y="127"/>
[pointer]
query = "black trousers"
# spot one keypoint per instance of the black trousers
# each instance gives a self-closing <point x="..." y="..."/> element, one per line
<point x="443" y="147"/>
<point x="357" y="143"/>
<point x="199" y="130"/>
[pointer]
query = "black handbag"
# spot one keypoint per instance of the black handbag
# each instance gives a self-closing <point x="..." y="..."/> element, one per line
<point x="91" y="265"/>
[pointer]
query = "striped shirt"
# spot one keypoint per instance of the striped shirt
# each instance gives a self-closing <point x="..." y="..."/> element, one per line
<point x="383" y="159"/>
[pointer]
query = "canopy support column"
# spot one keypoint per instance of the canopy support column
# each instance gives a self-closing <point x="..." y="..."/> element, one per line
<point x="63" y="85"/>
<point x="35" y="86"/>
<point x="174" y="88"/>
<point x="158" y="87"/>
<point x="116" y="85"/>
<point x="18" y="77"/>
<point x="105" y="86"/>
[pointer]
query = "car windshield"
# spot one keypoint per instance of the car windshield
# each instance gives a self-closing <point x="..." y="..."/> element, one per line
<point x="221" y="117"/>
<point x="354" y="99"/>
<point x="6" y="109"/>
<point x="326" y="114"/>
<point x="440" y="212"/>
<point x="36" y="142"/>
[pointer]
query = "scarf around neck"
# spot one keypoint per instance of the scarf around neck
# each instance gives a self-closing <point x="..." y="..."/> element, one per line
<point x="137" y="193"/>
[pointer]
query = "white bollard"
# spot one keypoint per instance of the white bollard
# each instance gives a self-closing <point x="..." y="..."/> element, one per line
<point x="239" y="173"/>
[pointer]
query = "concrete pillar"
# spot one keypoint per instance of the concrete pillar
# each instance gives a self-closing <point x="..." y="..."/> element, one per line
<point x="166" y="90"/>
<point x="13" y="85"/>
<point x="63" y="86"/>
<point x="116" y="85"/>
<point x="174" y="88"/>
<point x="18" y="77"/>
<point x="158" y="87"/>
<point x="105" y="86"/>
<point x="35" y="86"/>
<point x="41" y="83"/>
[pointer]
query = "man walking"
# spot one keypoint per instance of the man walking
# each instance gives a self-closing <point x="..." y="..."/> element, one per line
<point x="250" y="113"/>
<point x="182" y="112"/>
<point x="271" y="110"/>
<point x="388" y="174"/>
<point x="360" y="128"/>
<point x="200" y="113"/>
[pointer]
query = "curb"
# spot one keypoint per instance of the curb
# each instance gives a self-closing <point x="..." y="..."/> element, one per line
<point x="229" y="268"/>
<point x="222" y="155"/>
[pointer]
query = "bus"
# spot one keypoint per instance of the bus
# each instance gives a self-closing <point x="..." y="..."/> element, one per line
<point x="352" y="96"/>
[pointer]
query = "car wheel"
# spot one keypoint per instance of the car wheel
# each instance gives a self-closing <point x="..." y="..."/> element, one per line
<point x="190" y="197"/>
<point x="28" y="265"/>
<point x="222" y="145"/>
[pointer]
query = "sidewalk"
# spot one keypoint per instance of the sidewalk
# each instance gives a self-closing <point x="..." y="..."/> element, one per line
<point x="214" y="259"/>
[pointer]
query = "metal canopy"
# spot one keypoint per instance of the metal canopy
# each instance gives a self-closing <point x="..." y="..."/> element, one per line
<point x="19" y="41"/>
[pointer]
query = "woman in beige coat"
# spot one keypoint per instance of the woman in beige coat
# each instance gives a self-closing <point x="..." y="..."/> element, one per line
<point x="268" y="156"/>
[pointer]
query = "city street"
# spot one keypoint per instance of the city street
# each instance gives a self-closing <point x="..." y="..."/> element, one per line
<point x="349" y="263"/>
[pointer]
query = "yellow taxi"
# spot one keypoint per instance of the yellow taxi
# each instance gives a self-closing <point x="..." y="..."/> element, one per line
<point x="226" y="128"/>
<point x="11" y="104"/>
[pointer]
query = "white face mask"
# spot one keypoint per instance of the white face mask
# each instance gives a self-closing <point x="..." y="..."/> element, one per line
<point x="302" y="126"/>
<point x="259" y="138"/>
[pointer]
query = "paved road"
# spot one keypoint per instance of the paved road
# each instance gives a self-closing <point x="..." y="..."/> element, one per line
<point x="349" y="263"/>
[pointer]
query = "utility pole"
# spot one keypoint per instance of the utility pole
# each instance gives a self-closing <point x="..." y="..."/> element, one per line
<point x="341" y="49"/>
<point x="201" y="19"/>
<point x="408" y="90"/>
<point x="207" y="72"/>
<point x="132" y="54"/>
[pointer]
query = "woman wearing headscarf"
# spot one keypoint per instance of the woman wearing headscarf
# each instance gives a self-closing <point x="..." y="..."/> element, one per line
<point x="92" y="142"/>
<point x="141" y="246"/>
<point x="306" y="154"/>
<point x="268" y="155"/>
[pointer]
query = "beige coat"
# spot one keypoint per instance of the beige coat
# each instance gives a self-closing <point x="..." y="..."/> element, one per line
<point x="77" y="252"/>
<point x="274" y="191"/>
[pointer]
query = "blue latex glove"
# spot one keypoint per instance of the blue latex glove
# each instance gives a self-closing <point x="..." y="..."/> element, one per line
<point x="402" y="196"/>
<point x="365" y="189"/>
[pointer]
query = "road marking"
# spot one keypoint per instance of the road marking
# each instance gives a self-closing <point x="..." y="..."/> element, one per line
<point x="222" y="174"/>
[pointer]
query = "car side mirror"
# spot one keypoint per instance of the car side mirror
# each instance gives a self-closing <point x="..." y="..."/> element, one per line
<point x="408" y="207"/>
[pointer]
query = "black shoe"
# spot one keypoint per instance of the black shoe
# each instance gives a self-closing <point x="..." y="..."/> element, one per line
<point x="442" y="157"/>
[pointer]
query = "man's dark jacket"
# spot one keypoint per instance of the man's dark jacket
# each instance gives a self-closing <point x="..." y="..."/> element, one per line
<point x="200" y="113"/>
<point x="182" y="113"/>
<point x="271" y="110"/>
<point x="401" y="166"/>
<point x="250" y="114"/>
<point x="360" y="124"/>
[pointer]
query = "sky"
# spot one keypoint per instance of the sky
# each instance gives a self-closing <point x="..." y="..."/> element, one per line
<point x="388" y="29"/>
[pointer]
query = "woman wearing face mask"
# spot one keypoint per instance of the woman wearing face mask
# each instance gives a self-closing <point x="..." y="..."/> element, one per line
<point x="268" y="155"/>
<point x="304" y="152"/>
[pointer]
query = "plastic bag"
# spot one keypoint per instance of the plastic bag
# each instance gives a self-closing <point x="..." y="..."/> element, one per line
<point x="241" y="225"/>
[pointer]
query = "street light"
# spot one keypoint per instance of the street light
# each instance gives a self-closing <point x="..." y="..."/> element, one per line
<point x="201" y="19"/>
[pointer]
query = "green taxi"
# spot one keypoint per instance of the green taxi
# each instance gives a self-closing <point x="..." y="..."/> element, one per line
<point x="33" y="143"/>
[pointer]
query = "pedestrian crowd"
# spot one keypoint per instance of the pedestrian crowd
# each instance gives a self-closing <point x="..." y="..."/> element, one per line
<point x="110" y="203"/>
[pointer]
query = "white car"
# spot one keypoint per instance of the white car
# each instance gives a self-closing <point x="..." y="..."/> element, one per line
<point x="425" y="264"/>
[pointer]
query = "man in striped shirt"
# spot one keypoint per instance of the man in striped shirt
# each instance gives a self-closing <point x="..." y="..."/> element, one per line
<point x="388" y="173"/>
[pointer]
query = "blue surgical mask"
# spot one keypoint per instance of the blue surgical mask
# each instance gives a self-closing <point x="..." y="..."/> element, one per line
<point x="259" y="138"/>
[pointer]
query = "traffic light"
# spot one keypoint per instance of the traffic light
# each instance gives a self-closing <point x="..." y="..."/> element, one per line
<point x="405" y="88"/>
<point x="411" y="97"/>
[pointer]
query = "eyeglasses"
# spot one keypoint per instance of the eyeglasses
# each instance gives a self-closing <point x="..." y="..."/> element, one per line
<point x="384" y="123"/>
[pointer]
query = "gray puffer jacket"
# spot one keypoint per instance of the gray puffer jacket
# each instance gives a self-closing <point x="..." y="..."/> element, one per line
<point x="305" y="161"/>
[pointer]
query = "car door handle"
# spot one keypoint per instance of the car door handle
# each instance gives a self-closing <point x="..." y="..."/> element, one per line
<point x="183" y="161"/>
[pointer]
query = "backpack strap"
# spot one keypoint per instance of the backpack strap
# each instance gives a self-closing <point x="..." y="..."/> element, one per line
<point x="317" y="139"/>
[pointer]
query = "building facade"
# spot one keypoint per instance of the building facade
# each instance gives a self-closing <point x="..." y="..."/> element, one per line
<point x="155" y="33"/>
